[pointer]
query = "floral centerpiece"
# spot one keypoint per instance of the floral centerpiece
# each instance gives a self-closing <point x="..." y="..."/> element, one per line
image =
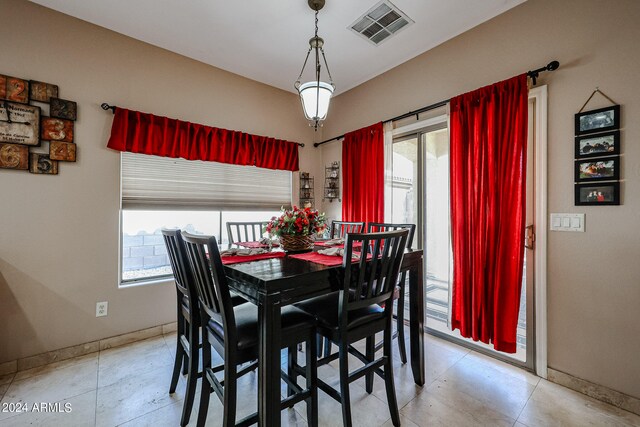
<point x="296" y="228"/>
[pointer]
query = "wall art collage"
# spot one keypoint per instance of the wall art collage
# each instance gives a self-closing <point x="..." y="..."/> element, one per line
<point x="24" y="128"/>
<point x="597" y="157"/>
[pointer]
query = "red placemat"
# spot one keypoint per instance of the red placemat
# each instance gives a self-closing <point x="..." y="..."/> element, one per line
<point x="324" y="244"/>
<point x="318" y="258"/>
<point x="237" y="259"/>
<point x="255" y="245"/>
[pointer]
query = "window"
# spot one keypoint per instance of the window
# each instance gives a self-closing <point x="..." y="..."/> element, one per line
<point x="199" y="197"/>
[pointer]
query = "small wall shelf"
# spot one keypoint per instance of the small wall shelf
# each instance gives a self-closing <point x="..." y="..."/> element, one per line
<point x="306" y="190"/>
<point x="332" y="182"/>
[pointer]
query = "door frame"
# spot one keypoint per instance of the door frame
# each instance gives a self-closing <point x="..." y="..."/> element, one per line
<point x="539" y="94"/>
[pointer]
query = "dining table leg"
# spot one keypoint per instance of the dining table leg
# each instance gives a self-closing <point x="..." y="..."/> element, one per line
<point x="269" y="361"/>
<point x="416" y="321"/>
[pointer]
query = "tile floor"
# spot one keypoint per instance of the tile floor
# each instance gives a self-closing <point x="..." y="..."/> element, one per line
<point x="128" y="386"/>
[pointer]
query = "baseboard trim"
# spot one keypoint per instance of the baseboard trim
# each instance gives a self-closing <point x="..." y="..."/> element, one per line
<point x="599" y="392"/>
<point x="48" y="357"/>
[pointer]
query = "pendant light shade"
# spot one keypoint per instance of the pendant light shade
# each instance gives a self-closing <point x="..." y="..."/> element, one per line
<point x="315" y="95"/>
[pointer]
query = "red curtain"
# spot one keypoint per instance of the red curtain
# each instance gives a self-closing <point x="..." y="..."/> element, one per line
<point x="488" y="177"/>
<point x="138" y="132"/>
<point x="363" y="175"/>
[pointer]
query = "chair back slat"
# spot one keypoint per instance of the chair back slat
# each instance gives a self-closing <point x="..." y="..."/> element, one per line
<point x="372" y="281"/>
<point x="211" y="282"/>
<point x="245" y="231"/>
<point x="342" y="228"/>
<point x="374" y="227"/>
<point x="182" y="273"/>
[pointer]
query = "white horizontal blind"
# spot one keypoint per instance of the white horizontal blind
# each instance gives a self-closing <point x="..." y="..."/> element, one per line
<point x="152" y="182"/>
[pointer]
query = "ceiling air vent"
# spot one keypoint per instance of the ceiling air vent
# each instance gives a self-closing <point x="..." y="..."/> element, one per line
<point x="380" y="22"/>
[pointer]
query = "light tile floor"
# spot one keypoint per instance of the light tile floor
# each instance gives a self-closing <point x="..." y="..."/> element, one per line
<point x="128" y="386"/>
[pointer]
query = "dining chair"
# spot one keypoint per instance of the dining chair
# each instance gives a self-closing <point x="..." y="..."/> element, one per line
<point x="341" y="228"/>
<point x="245" y="231"/>
<point x="188" y="320"/>
<point x="373" y="227"/>
<point x="362" y="308"/>
<point x="233" y="333"/>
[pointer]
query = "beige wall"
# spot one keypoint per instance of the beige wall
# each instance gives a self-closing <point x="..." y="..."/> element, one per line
<point x="59" y="234"/>
<point x="593" y="277"/>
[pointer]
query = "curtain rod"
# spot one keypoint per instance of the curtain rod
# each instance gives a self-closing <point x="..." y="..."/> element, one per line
<point x="534" y="74"/>
<point x="107" y="107"/>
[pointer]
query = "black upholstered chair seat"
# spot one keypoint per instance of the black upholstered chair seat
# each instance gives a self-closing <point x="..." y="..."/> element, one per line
<point x="235" y="300"/>
<point x="292" y="320"/>
<point x="325" y="309"/>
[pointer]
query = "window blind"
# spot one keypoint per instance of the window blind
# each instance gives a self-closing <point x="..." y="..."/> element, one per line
<point x="152" y="182"/>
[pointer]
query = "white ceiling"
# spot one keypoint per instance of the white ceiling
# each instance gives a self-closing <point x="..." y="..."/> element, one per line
<point x="267" y="40"/>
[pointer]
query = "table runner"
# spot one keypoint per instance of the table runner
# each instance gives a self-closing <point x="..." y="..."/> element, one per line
<point x="237" y="259"/>
<point x="255" y="245"/>
<point x="324" y="244"/>
<point x="329" y="260"/>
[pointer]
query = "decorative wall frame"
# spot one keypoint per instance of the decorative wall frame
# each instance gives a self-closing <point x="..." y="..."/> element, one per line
<point x="602" y="144"/>
<point x="62" y="151"/>
<point x="54" y="129"/>
<point x="42" y="92"/>
<point x="14" y="156"/>
<point x="597" y="194"/>
<point x="19" y="123"/>
<point x="63" y="109"/>
<point x="600" y="120"/>
<point x="22" y="125"/>
<point x="42" y="164"/>
<point x="14" y="89"/>
<point x="604" y="169"/>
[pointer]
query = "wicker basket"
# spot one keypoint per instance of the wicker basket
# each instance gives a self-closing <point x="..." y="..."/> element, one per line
<point x="294" y="243"/>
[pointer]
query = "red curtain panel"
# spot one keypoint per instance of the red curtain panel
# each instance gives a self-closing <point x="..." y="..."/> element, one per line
<point x="144" y="133"/>
<point x="363" y="175"/>
<point x="488" y="177"/>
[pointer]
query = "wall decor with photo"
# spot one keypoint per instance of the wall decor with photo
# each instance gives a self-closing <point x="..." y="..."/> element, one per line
<point x="30" y="140"/>
<point x="597" y="155"/>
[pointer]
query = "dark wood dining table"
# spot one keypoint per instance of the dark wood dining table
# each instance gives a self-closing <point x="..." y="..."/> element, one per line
<point x="276" y="282"/>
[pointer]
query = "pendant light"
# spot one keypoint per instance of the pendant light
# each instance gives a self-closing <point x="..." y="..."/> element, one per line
<point x="315" y="95"/>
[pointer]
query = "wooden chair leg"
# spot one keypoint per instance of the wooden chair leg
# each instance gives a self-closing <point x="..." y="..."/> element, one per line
<point x="185" y="362"/>
<point x="205" y="392"/>
<point x="402" y="346"/>
<point x="388" y="377"/>
<point x="230" y="392"/>
<point x="292" y="361"/>
<point x="176" y="369"/>
<point x="319" y="340"/>
<point x="327" y="347"/>
<point x="192" y="376"/>
<point x="178" y="361"/>
<point x="312" y="375"/>
<point x="344" y="384"/>
<point x="370" y="353"/>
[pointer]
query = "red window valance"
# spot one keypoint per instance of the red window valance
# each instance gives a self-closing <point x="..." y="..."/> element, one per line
<point x="144" y="133"/>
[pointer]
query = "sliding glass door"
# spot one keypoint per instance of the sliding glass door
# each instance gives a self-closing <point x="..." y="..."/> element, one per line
<point x="421" y="196"/>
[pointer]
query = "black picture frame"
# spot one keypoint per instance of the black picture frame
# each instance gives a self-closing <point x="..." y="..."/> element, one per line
<point x="606" y="194"/>
<point x="598" y="145"/>
<point x="596" y="121"/>
<point x="597" y="169"/>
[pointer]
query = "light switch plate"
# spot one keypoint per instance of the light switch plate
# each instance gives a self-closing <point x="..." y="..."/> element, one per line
<point x="567" y="222"/>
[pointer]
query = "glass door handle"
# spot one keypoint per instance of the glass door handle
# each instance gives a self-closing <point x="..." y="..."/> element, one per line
<point x="530" y="237"/>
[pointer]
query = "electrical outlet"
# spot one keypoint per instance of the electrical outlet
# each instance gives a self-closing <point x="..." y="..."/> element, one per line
<point x="102" y="308"/>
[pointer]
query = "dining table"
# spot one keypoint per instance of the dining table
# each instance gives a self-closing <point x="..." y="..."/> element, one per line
<point x="273" y="283"/>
